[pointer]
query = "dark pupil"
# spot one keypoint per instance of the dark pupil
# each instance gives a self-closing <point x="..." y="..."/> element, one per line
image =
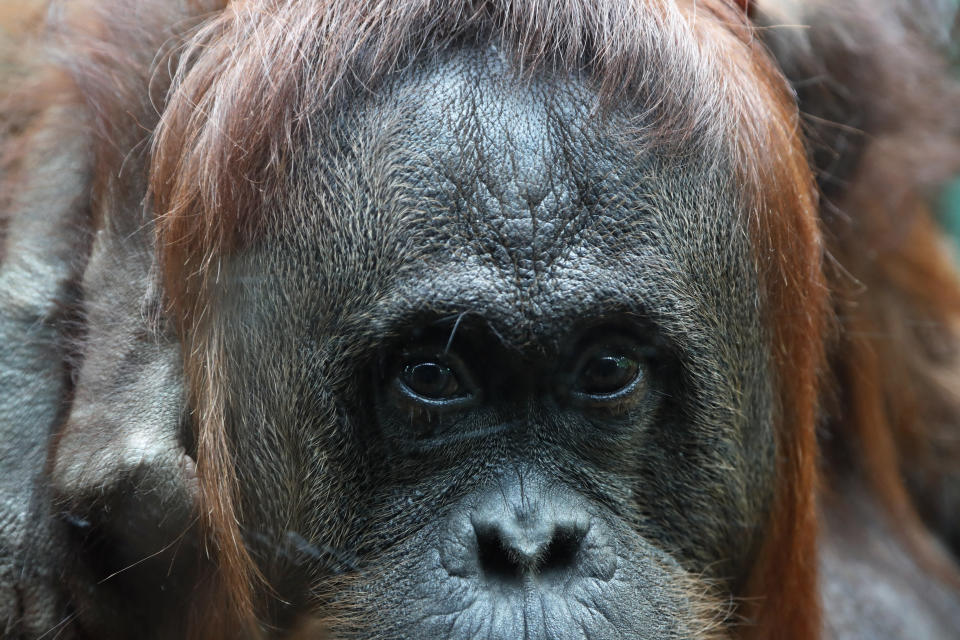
<point x="609" y="373"/>
<point x="430" y="379"/>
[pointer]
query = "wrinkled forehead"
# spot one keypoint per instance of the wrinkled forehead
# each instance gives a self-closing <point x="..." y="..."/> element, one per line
<point x="521" y="164"/>
<point x="497" y="190"/>
<point x="498" y="143"/>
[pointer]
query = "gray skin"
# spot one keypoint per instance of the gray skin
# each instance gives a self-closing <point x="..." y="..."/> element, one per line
<point x="461" y="216"/>
<point x="96" y="491"/>
<point x="874" y="585"/>
<point x="35" y="285"/>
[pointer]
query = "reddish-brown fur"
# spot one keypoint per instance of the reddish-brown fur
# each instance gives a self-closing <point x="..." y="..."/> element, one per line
<point x="243" y="95"/>
<point x="764" y="117"/>
<point x="895" y="354"/>
<point x="193" y="197"/>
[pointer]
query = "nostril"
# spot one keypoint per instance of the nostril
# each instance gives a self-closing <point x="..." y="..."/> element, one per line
<point x="508" y="554"/>
<point x="561" y="553"/>
<point x="497" y="560"/>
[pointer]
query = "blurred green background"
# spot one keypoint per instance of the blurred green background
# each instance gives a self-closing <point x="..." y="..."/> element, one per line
<point x="950" y="202"/>
<point x="950" y="212"/>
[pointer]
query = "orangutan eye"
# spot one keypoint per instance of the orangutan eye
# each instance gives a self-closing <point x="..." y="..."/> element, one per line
<point x="431" y="380"/>
<point x="435" y="380"/>
<point x="607" y="373"/>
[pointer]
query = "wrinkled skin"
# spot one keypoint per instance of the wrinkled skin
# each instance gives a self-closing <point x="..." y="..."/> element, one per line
<point x="505" y="229"/>
<point x="460" y="213"/>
